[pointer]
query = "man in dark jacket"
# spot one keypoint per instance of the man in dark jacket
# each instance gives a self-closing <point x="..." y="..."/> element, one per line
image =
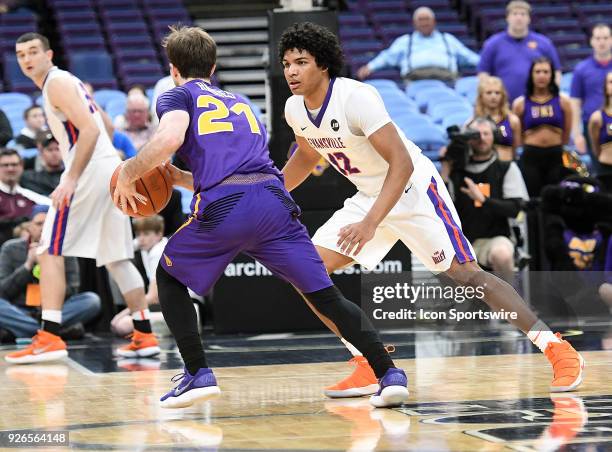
<point x="19" y="289"/>
<point x="487" y="193"/>
<point x="45" y="179"/>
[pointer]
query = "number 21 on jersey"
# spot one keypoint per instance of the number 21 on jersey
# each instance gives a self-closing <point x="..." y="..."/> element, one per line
<point x="211" y="121"/>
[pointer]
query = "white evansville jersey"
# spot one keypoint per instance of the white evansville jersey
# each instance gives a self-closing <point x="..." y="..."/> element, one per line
<point x="350" y="113"/>
<point x="64" y="131"/>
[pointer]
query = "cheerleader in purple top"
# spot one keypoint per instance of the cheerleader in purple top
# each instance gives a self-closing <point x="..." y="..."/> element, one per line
<point x="600" y="131"/>
<point x="546" y="121"/>
<point x="492" y="102"/>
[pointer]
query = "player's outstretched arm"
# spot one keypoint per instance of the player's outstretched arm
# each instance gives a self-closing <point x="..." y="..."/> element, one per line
<point x="387" y="142"/>
<point x="63" y="95"/>
<point x="300" y="164"/>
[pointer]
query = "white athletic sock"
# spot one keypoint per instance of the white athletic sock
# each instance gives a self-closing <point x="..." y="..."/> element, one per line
<point x="52" y="315"/>
<point x="541" y="335"/>
<point x="144" y="314"/>
<point x="351" y="347"/>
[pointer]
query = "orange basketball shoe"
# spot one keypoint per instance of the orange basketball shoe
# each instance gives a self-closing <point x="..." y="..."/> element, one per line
<point x="44" y="347"/>
<point x="360" y="383"/>
<point x="142" y="345"/>
<point x="568" y="365"/>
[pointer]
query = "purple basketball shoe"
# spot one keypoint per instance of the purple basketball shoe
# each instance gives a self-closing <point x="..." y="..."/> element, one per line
<point x="191" y="389"/>
<point x="393" y="389"/>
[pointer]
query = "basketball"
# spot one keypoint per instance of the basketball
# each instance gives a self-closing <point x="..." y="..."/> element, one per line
<point x="155" y="185"/>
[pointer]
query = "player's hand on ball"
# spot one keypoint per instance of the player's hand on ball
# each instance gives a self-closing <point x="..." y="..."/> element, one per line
<point x="63" y="193"/>
<point x="176" y="175"/>
<point x="125" y="193"/>
<point x="354" y="236"/>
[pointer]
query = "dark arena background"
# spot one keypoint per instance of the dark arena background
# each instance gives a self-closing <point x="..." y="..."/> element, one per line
<point x="475" y="384"/>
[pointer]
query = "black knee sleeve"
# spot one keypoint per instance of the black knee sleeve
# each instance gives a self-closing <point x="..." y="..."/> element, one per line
<point x="354" y="326"/>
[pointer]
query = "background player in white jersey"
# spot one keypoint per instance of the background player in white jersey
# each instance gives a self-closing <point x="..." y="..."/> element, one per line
<point x="83" y="222"/>
<point x="400" y="194"/>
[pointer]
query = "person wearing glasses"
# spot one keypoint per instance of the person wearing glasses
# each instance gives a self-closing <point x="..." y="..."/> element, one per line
<point x="16" y="202"/>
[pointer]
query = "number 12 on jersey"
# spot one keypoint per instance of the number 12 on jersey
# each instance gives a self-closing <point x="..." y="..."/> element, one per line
<point x="346" y="168"/>
<point x="209" y="121"/>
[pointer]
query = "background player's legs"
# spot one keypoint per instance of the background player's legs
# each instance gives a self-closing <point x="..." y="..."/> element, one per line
<point x="131" y="286"/>
<point x="53" y="288"/>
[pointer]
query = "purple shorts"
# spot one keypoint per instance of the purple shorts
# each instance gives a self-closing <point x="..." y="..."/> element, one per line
<point x="256" y="218"/>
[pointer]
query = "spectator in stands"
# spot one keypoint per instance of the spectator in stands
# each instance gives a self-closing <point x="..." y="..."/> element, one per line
<point x="546" y="121"/>
<point x="150" y="242"/>
<point x="16" y="202"/>
<point x="492" y="102"/>
<point x="487" y="192"/>
<point x="509" y="54"/>
<point x="45" y="180"/>
<point x="137" y="125"/>
<point x="19" y="289"/>
<point x="424" y="54"/>
<point x="588" y="78"/>
<point x="34" y="122"/>
<point x="600" y="132"/>
<point x="6" y="132"/>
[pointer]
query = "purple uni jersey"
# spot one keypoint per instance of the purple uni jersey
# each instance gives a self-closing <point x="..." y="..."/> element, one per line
<point x="224" y="136"/>
<point x="240" y="203"/>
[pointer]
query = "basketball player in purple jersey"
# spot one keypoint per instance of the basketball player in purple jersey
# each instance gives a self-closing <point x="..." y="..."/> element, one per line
<point x="240" y="205"/>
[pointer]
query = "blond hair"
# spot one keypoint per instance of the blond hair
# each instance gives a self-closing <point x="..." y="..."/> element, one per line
<point x="518" y="4"/>
<point x="479" y="106"/>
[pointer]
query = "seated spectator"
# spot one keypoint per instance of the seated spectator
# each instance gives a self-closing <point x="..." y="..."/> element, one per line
<point x="150" y="244"/>
<point x="509" y="54"/>
<point x="487" y="192"/>
<point x="492" y="102"/>
<point x="586" y="91"/>
<point x="6" y="132"/>
<point x="16" y="202"/>
<point x="34" y="122"/>
<point x="546" y="122"/>
<point x="45" y="180"/>
<point x="20" y="292"/>
<point x="600" y="131"/>
<point x="424" y="54"/>
<point x="137" y="125"/>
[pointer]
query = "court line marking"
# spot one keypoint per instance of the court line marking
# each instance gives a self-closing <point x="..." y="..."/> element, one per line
<point x="82" y="369"/>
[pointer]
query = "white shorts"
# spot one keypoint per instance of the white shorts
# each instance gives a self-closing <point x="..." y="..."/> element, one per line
<point x="424" y="219"/>
<point x="91" y="226"/>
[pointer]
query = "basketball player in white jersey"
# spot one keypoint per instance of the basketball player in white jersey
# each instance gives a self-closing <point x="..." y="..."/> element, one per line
<point x="400" y="195"/>
<point x="83" y="222"/>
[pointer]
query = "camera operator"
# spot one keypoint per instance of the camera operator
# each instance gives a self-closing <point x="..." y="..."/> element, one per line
<point x="487" y="192"/>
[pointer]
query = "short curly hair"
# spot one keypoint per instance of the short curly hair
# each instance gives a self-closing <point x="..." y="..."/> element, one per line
<point x="317" y="40"/>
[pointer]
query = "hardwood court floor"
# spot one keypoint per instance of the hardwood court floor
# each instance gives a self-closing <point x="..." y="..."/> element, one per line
<point x="460" y="403"/>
